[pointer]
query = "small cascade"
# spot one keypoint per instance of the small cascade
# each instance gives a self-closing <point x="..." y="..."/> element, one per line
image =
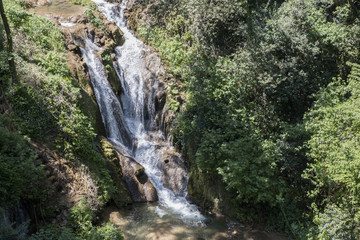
<point x="110" y="107"/>
<point x="17" y="217"/>
<point x="130" y="122"/>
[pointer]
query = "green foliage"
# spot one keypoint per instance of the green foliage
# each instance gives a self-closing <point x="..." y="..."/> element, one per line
<point x="41" y="31"/>
<point x="106" y="232"/>
<point x="338" y="222"/>
<point x="94" y="19"/>
<point x="46" y="104"/>
<point x="52" y="232"/>
<point x="81" y="219"/>
<point x="4" y="67"/>
<point x="218" y="25"/>
<point x="171" y="101"/>
<point x="251" y="70"/>
<point x="334" y="146"/>
<point x="249" y="169"/>
<point x="83" y="2"/>
<point x="171" y="47"/>
<point x="19" y="177"/>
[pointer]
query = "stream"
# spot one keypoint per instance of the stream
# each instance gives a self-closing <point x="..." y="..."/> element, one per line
<point x="130" y="125"/>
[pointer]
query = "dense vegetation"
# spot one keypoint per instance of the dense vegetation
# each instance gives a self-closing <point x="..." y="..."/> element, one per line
<point x="43" y="107"/>
<point x="272" y="113"/>
<point x="272" y="105"/>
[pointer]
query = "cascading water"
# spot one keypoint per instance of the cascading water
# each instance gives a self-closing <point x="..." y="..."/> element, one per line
<point x="130" y="124"/>
<point x="110" y="107"/>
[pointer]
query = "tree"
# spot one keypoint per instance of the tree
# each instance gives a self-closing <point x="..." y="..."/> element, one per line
<point x="11" y="61"/>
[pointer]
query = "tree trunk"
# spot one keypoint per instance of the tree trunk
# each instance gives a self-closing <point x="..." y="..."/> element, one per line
<point x="11" y="61"/>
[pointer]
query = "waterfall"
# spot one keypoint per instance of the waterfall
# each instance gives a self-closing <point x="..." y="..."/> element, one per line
<point x="129" y="123"/>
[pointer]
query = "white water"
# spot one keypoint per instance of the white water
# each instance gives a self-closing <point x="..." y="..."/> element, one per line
<point x="67" y="24"/>
<point x="126" y="123"/>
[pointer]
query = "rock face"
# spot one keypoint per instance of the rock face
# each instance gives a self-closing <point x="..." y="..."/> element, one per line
<point x="174" y="174"/>
<point x="139" y="184"/>
<point x="152" y="74"/>
<point x="114" y="33"/>
<point x="121" y="195"/>
<point x="155" y="69"/>
<point x="35" y="3"/>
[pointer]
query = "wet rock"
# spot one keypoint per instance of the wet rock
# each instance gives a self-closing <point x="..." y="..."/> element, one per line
<point x="73" y="48"/>
<point x="37" y="3"/>
<point x="174" y="172"/>
<point x="82" y="20"/>
<point x="160" y="100"/>
<point x="121" y="195"/>
<point x="139" y="172"/>
<point x="115" y="33"/>
<point x="74" y="19"/>
<point x="107" y="57"/>
<point x="139" y="185"/>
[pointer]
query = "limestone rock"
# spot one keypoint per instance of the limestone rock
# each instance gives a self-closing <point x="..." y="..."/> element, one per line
<point x="37" y="3"/>
<point x="121" y="195"/>
<point x="114" y="33"/>
<point x="139" y="184"/>
<point x="174" y="173"/>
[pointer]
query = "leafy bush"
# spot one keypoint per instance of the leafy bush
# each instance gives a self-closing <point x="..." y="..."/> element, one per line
<point x="106" y="232"/>
<point x="52" y="232"/>
<point x="81" y="218"/>
<point x="82" y="2"/>
<point x="46" y="104"/>
<point x="251" y="71"/>
<point x="95" y="20"/>
<point x="337" y="222"/>
<point x="19" y="177"/>
<point x="334" y="146"/>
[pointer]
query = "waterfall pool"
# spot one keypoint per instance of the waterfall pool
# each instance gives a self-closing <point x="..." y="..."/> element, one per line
<point x="143" y="221"/>
<point x="62" y="8"/>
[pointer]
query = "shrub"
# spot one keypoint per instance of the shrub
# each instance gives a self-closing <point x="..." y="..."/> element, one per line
<point x="81" y="219"/>
<point x="52" y="232"/>
<point x="19" y="177"/>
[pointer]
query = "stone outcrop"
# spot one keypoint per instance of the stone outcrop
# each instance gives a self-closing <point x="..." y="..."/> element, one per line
<point x="139" y="184"/>
<point x="121" y="195"/>
<point x="114" y="32"/>
<point x="174" y="174"/>
<point x="36" y="3"/>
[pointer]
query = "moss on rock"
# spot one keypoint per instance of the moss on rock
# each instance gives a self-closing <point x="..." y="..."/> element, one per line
<point x="209" y="192"/>
<point x="139" y="171"/>
<point x="121" y="195"/>
<point x="107" y="59"/>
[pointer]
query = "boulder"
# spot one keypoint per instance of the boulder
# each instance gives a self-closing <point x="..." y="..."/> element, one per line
<point x="174" y="172"/>
<point x="114" y="33"/>
<point x="37" y="3"/>
<point x="139" y="184"/>
<point x="121" y="195"/>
